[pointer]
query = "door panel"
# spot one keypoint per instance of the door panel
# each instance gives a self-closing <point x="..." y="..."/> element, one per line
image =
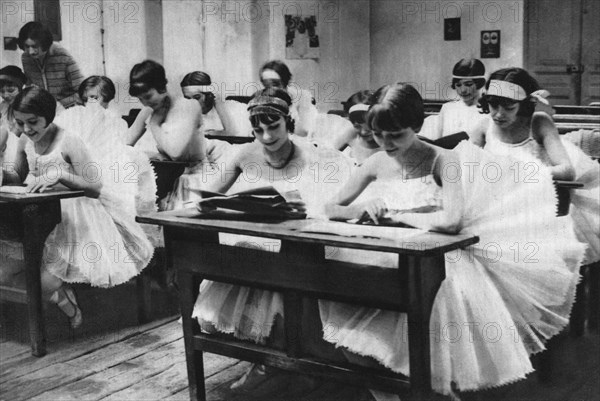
<point x="590" y="55"/>
<point x="553" y="44"/>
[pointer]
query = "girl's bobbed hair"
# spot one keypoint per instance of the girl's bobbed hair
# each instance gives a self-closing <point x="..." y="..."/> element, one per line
<point x="145" y="76"/>
<point x="395" y="107"/>
<point x="11" y="74"/>
<point x="280" y="68"/>
<point x="467" y="68"/>
<point x="516" y="76"/>
<point x="199" y="78"/>
<point x="35" y="100"/>
<point x="104" y="84"/>
<point x="269" y="105"/>
<point x="360" y="97"/>
<point x="196" y="78"/>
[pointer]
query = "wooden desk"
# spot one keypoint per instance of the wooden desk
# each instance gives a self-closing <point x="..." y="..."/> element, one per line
<point x="563" y="193"/>
<point x="29" y="218"/>
<point x="234" y="140"/>
<point x="571" y="109"/>
<point x="166" y="171"/>
<point x="576" y="118"/>
<point x="301" y="270"/>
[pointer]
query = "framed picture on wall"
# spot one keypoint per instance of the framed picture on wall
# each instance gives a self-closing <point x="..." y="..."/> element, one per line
<point x="48" y="13"/>
<point x="452" y="29"/>
<point x="490" y="44"/>
<point x="301" y="38"/>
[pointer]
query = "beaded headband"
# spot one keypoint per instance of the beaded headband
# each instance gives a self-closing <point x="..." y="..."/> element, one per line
<point x="268" y="105"/>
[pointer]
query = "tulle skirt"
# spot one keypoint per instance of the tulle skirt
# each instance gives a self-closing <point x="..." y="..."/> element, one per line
<point x="585" y="202"/>
<point x="96" y="243"/>
<point x="247" y="313"/>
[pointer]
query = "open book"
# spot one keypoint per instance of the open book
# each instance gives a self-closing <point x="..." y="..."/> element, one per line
<point x="259" y="203"/>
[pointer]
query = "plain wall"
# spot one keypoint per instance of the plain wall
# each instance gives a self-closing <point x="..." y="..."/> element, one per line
<point x="407" y="40"/>
<point x="364" y="44"/>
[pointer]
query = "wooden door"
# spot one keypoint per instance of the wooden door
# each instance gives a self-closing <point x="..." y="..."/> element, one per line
<point x="553" y="47"/>
<point x="563" y="48"/>
<point x="590" y="33"/>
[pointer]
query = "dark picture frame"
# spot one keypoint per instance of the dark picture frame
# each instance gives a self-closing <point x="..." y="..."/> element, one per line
<point x="490" y="44"/>
<point x="451" y="28"/>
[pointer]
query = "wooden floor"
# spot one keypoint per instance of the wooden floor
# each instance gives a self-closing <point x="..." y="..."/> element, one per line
<point x="112" y="358"/>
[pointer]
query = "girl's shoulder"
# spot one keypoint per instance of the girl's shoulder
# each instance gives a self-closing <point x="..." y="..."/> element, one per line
<point x="542" y="126"/>
<point x="182" y="105"/>
<point x="245" y="153"/>
<point x="451" y="104"/>
<point x="378" y="164"/>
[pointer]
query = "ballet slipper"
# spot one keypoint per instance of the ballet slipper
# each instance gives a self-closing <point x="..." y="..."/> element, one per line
<point x="67" y="302"/>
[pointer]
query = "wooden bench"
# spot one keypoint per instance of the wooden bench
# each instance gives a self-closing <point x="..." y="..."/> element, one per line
<point x="577" y="118"/>
<point x="569" y="109"/>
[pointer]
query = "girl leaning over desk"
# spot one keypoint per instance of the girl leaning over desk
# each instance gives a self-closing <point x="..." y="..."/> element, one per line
<point x="173" y="124"/>
<point x="272" y="160"/>
<point x="97" y="241"/>
<point x="520" y="278"/>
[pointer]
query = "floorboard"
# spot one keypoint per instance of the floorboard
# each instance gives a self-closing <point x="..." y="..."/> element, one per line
<point x="127" y="361"/>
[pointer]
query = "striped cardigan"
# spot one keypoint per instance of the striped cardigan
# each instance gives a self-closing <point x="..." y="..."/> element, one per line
<point x="59" y="74"/>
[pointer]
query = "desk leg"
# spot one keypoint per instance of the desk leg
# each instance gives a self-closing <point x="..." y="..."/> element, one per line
<point x="38" y="222"/>
<point x="188" y="292"/>
<point x="143" y="290"/>
<point x="293" y="303"/>
<point x="425" y="274"/>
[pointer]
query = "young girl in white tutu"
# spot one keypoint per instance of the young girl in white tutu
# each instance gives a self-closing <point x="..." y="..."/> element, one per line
<point x="517" y="129"/>
<point x="12" y="81"/>
<point x="175" y="126"/>
<point x="272" y="160"/>
<point x="97" y="241"/>
<point x="104" y="132"/>
<point x="219" y="116"/>
<point x="503" y="297"/>
<point x="276" y="74"/>
<point x="356" y="139"/>
<point x="462" y="114"/>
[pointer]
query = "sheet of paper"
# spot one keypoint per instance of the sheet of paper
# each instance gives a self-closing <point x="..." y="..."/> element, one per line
<point x="13" y="189"/>
<point x="364" y="231"/>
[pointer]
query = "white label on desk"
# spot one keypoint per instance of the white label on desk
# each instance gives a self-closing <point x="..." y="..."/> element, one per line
<point x="13" y="189"/>
<point x="365" y="231"/>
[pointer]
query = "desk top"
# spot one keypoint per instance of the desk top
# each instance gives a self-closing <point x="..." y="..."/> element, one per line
<point x="47" y="196"/>
<point x="417" y="243"/>
<point x="568" y="184"/>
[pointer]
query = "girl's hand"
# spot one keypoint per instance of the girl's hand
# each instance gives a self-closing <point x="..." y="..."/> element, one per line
<point x="374" y="208"/>
<point x="298" y="206"/>
<point x="42" y="183"/>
